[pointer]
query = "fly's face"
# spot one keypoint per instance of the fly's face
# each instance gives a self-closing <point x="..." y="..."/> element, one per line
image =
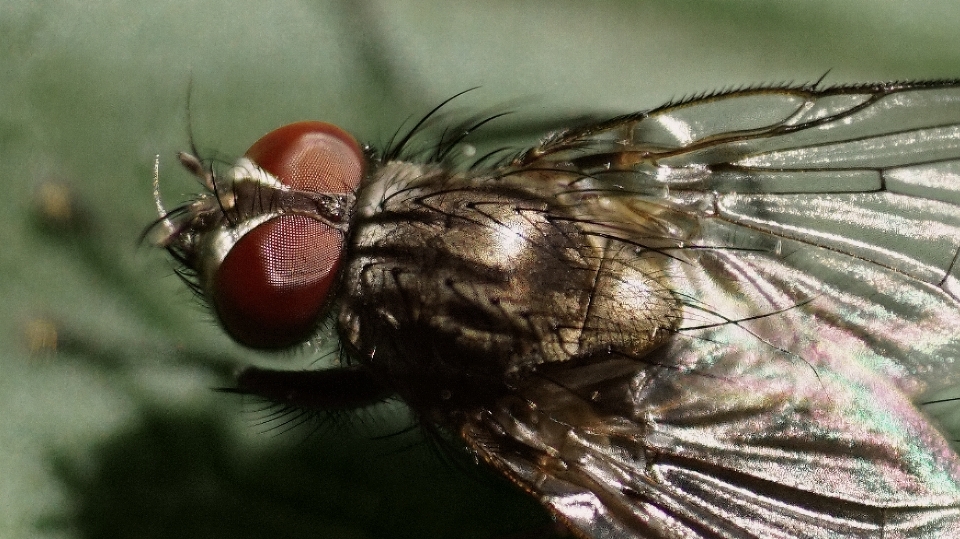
<point x="267" y="239"/>
<point x="717" y="318"/>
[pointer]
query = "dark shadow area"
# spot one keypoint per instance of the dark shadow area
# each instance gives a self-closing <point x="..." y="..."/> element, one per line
<point x="173" y="476"/>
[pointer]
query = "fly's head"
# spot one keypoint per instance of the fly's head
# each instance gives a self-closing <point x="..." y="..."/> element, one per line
<point x="264" y="243"/>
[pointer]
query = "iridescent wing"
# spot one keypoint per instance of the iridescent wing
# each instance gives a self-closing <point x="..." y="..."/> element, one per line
<point x="820" y="232"/>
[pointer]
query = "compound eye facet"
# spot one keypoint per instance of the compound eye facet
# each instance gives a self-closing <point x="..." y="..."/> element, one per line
<point x="274" y="283"/>
<point x="271" y="287"/>
<point x="310" y="156"/>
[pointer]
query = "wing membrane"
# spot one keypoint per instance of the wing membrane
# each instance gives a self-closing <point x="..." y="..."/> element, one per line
<point x="819" y="232"/>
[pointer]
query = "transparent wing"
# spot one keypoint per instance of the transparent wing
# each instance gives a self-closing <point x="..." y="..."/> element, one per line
<point x="855" y="188"/>
<point x="818" y="233"/>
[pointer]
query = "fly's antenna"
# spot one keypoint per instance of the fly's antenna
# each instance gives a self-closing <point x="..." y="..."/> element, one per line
<point x="168" y="227"/>
<point x="192" y="162"/>
<point x="190" y="139"/>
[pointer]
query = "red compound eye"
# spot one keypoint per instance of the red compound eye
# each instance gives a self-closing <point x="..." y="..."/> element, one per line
<point x="272" y="286"/>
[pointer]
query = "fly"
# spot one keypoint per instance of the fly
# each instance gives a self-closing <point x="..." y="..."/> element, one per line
<point x="715" y="318"/>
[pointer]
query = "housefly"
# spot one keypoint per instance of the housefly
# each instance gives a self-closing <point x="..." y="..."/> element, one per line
<point x="715" y="318"/>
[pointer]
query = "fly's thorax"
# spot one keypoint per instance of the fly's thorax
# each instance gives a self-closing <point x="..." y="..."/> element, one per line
<point x="458" y="279"/>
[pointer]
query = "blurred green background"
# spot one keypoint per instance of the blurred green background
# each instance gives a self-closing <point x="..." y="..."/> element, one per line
<point x="107" y="424"/>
